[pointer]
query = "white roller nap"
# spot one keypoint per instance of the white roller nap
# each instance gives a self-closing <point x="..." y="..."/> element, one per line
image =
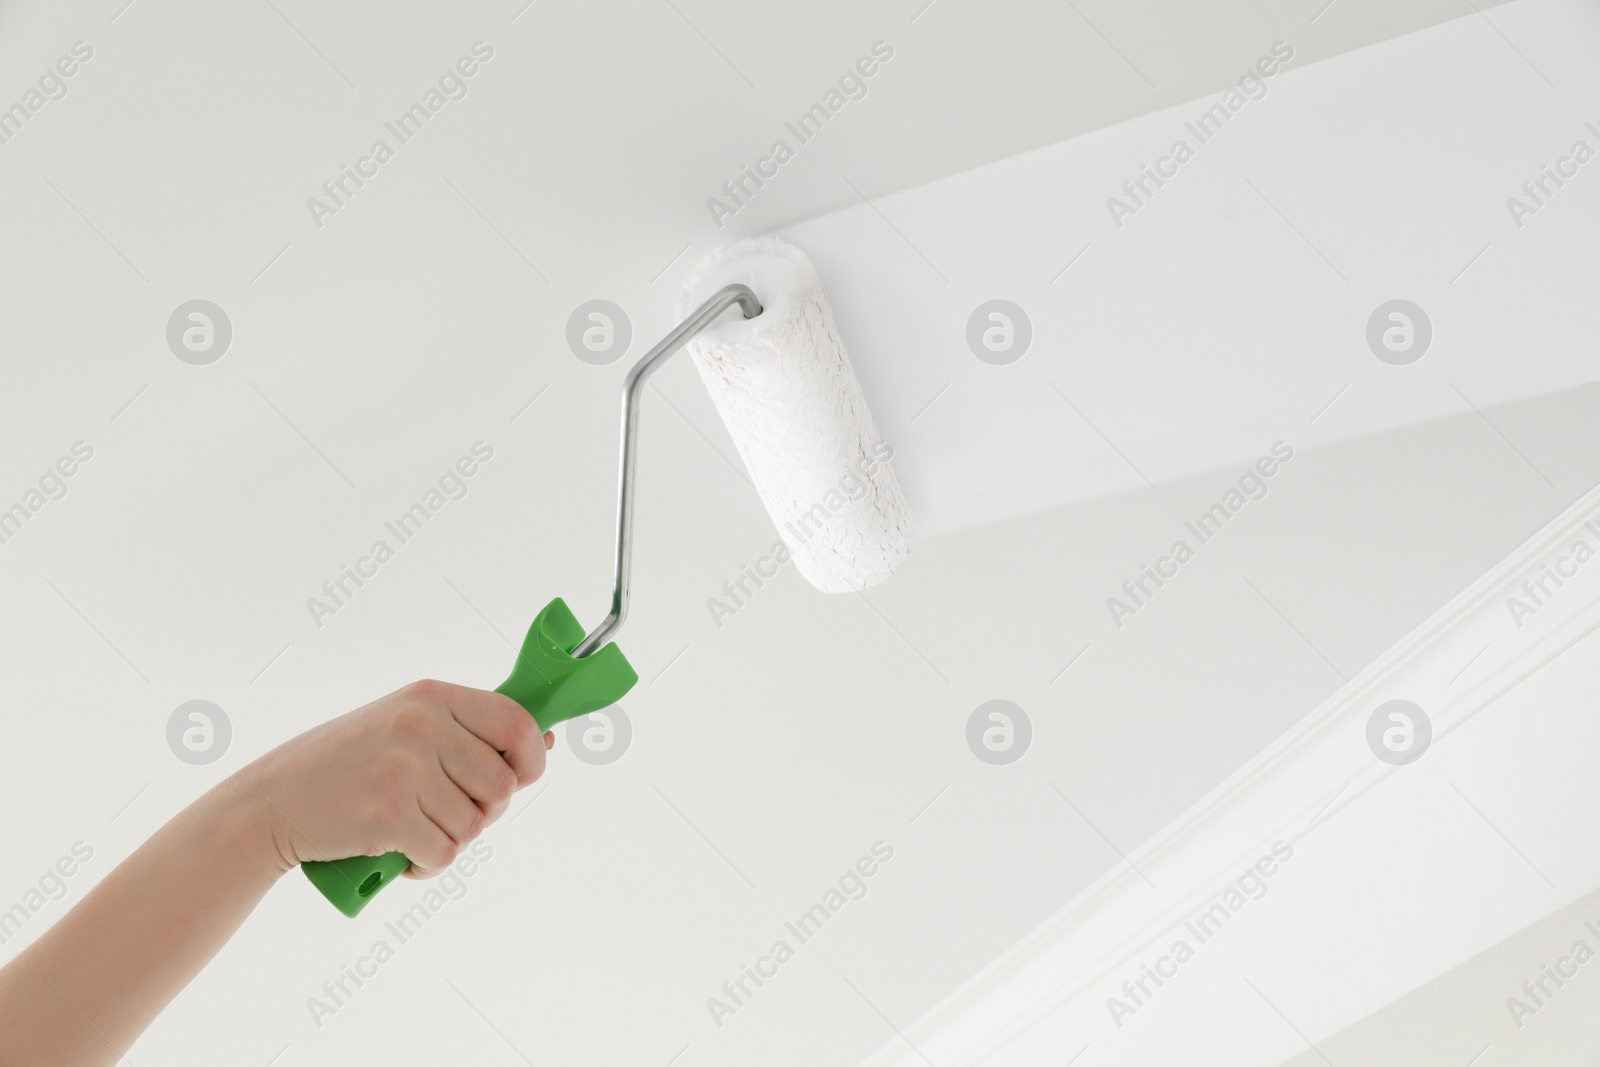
<point x="785" y="388"/>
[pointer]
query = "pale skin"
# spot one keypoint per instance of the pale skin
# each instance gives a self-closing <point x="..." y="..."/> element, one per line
<point x="421" y="771"/>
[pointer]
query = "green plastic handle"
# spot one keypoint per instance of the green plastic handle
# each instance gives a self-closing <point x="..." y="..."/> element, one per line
<point x="550" y="684"/>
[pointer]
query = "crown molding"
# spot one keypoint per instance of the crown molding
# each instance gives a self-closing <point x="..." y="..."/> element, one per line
<point x="1461" y="661"/>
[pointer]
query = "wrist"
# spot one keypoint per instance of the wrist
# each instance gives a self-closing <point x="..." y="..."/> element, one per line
<point x="246" y="826"/>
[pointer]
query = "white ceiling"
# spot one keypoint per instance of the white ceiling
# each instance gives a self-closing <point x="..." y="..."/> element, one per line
<point x="768" y="753"/>
<point x="597" y="145"/>
<point x="1231" y="310"/>
<point x="1467" y="1012"/>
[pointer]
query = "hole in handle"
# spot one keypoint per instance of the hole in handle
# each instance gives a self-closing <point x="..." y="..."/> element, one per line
<point x="370" y="885"/>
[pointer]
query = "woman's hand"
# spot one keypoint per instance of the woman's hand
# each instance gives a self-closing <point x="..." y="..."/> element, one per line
<point x="421" y="771"/>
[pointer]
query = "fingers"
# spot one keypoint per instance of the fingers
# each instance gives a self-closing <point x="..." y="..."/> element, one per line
<point x="428" y="847"/>
<point x="455" y="755"/>
<point x="451" y="812"/>
<point x="501" y="723"/>
<point x="480" y="773"/>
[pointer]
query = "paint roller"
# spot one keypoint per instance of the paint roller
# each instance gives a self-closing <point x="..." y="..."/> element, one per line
<point x="781" y="381"/>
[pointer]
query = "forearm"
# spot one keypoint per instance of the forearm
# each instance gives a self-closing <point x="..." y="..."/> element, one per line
<point x="89" y="986"/>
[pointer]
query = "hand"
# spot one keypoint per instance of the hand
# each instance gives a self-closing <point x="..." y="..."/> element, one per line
<point x="421" y="771"/>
